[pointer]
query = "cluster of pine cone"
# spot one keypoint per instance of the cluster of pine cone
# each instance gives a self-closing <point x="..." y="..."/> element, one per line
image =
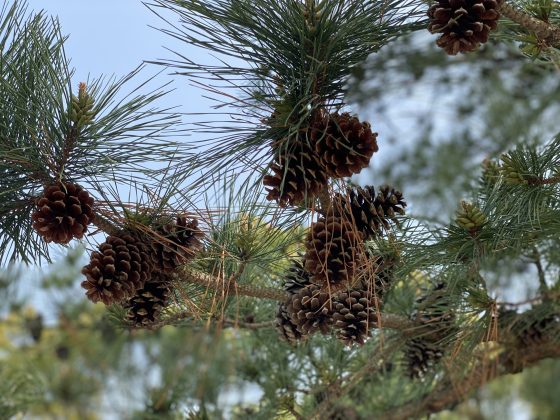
<point x="336" y="146"/>
<point x="309" y="309"/>
<point x="135" y="271"/>
<point x="337" y="284"/>
<point x="129" y="268"/>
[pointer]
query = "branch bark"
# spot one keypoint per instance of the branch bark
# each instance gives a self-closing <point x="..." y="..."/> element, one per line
<point x="449" y="393"/>
<point x="545" y="31"/>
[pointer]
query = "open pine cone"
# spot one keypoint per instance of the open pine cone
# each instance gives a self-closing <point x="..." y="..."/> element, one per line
<point x="333" y="253"/>
<point x="344" y="144"/>
<point x="118" y="270"/>
<point x="63" y="212"/>
<point x="296" y="277"/>
<point x="354" y="315"/>
<point x="178" y="244"/>
<point x="463" y="24"/>
<point x="146" y="305"/>
<point x="434" y="310"/>
<point x="297" y="174"/>
<point x="420" y="355"/>
<point x="367" y="211"/>
<point x="310" y="310"/>
<point x="286" y="328"/>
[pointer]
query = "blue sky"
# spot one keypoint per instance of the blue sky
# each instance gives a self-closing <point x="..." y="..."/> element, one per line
<point x="112" y="37"/>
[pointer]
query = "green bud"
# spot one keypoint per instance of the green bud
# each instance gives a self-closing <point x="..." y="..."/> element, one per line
<point x="470" y="217"/>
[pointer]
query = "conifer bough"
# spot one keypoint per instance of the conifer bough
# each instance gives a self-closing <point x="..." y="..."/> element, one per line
<point x="299" y="56"/>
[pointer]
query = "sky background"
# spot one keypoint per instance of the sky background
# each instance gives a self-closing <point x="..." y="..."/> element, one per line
<point x="113" y="37"/>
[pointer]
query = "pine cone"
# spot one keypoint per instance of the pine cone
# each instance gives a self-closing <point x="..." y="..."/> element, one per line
<point x="146" y="305"/>
<point x="540" y="330"/>
<point x="464" y="24"/>
<point x="344" y="144"/>
<point x="63" y="213"/>
<point x="287" y="330"/>
<point x="310" y="310"/>
<point x="297" y="174"/>
<point x="354" y="316"/>
<point x="420" y="356"/>
<point x="383" y="276"/>
<point x="296" y="277"/>
<point x="434" y="311"/>
<point x="332" y="253"/>
<point x="179" y="243"/>
<point x="368" y="212"/>
<point x="340" y="412"/>
<point x="118" y="270"/>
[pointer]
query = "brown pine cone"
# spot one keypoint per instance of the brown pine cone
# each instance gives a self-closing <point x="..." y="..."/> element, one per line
<point x="340" y="412"/>
<point x="344" y="144"/>
<point x="286" y="328"/>
<point x="310" y="310"/>
<point x="434" y="310"/>
<point x="146" y="305"/>
<point x="383" y="276"/>
<point x="463" y="24"/>
<point x="420" y="355"/>
<point x="177" y="243"/>
<point x="367" y="211"/>
<point x="333" y="253"/>
<point x="538" y="330"/>
<point x="297" y="174"/>
<point x="63" y="212"/>
<point x="296" y="277"/>
<point x="118" y="270"/>
<point x="354" y="315"/>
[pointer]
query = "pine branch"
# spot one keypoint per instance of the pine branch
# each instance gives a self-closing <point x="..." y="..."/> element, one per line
<point x="544" y="181"/>
<point x="196" y="277"/>
<point x="450" y="393"/>
<point x="545" y="31"/>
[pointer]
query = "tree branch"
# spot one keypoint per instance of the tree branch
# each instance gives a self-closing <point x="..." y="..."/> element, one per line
<point x="190" y="275"/>
<point x="450" y="393"/>
<point x="197" y="277"/>
<point x="545" y="31"/>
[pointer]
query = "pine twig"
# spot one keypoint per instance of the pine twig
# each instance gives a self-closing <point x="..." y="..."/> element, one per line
<point x="324" y="200"/>
<point x="249" y="325"/>
<point x="544" y="181"/>
<point x="105" y="224"/>
<point x="196" y="277"/>
<point x="449" y="393"/>
<point x="542" y="279"/>
<point x="545" y="31"/>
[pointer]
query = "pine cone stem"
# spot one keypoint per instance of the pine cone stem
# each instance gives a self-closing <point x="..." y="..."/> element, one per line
<point x="106" y="225"/>
<point x="197" y="277"/>
<point x="545" y="31"/>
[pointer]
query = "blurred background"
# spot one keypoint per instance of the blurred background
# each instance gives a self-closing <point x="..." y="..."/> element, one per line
<point x="438" y="118"/>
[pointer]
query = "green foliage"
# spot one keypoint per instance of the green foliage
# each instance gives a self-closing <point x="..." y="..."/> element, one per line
<point x="41" y="143"/>
<point x="261" y="71"/>
<point x="451" y="275"/>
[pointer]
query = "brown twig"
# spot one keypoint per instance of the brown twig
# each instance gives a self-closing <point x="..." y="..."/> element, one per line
<point x="544" y="181"/>
<point x="545" y="31"/>
<point x="249" y="325"/>
<point x="196" y="277"/>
